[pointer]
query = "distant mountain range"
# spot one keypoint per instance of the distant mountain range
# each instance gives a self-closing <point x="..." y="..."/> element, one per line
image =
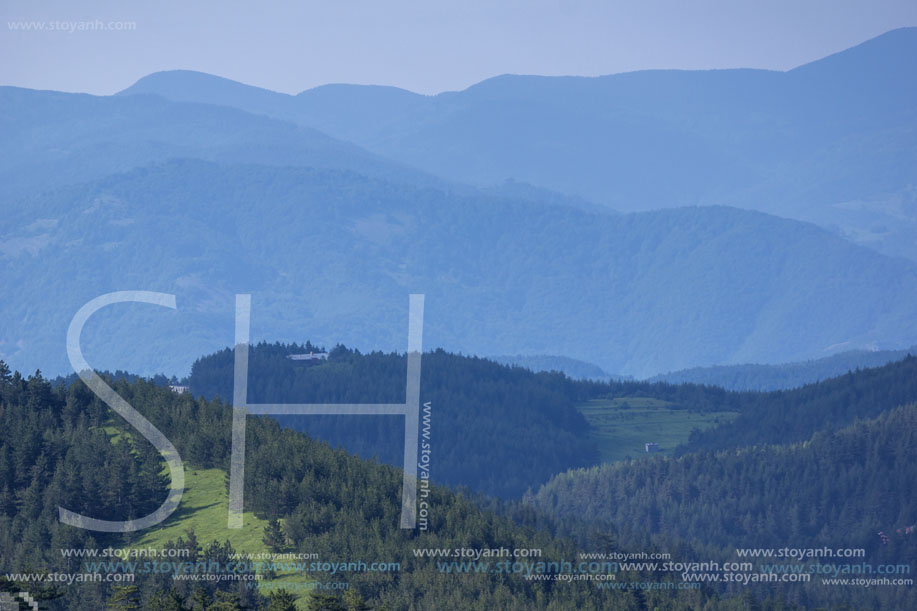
<point x="833" y="142"/>
<point x="205" y="188"/>
<point x="331" y="255"/>
<point x="53" y="139"/>
<point x="785" y="375"/>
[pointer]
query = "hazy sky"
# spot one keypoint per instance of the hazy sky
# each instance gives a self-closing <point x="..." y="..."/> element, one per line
<point x="422" y="45"/>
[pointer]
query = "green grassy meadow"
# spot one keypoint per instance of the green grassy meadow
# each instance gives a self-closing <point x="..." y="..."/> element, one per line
<point x="204" y="509"/>
<point x="622" y="426"/>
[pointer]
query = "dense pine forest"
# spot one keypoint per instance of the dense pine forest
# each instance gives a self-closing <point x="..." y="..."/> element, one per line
<point x="847" y="488"/>
<point x="829" y="464"/>
<point x="535" y="432"/>
<point x="838" y="488"/>
<point x="536" y="409"/>
<point x="62" y="447"/>
<point x="794" y="415"/>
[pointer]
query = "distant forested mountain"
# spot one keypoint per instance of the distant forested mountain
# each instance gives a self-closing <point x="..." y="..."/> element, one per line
<point x="495" y="429"/>
<point x="51" y="139"/>
<point x="783" y="376"/>
<point x="795" y="415"/>
<point x="831" y="142"/>
<point x="572" y="368"/>
<point x="526" y="423"/>
<point x="332" y="256"/>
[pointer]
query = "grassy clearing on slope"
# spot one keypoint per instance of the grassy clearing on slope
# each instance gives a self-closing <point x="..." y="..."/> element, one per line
<point x="204" y="508"/>
<point x="623" y="425"/>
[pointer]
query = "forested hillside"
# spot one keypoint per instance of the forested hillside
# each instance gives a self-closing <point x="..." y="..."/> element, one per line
<point x="61" y="446"/>
<point x="55" y="449"/>
<point x="778" y="417"/>
<point x="792" y="416"/>
<point x="836" y="490"/>
<point x="496" y="429"/>
<point x="572" y="368"/>
<point x="502" y="430"/>
<point x="838" y="487"/>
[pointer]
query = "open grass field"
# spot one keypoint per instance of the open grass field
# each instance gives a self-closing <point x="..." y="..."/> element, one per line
<point x="622" y="426"/>
<point x="204" y="508"/>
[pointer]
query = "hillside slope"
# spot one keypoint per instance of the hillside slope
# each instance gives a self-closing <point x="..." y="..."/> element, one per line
<point x="332" y="256"/>
<point x="336" y="509"/>
<point x="837" y="490"/>
<point x="785" y="375"/>
<point x="832" y="142"/>
<point x="792" y="416"/>
<point x="496" y="430"/>
<point x="51" y="139"/>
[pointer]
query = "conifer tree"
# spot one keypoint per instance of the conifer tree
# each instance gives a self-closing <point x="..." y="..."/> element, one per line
<point x="282" y="600"/>
<point x="124" y="598"/>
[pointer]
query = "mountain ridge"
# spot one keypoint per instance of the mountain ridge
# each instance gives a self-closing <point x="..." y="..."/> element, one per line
<point x="650" y="291"/>
<point x="833" y="142"/>
<point x="783" y="376"/>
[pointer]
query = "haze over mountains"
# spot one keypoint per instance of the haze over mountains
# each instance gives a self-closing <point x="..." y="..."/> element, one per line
<point x="52" y="139"/>
<point x="832" y="142"/>
<point x="331" y="256"/>
<point x="330" y="207"/>
<point x="669" y="322"/>
<point x="785" y="375"/>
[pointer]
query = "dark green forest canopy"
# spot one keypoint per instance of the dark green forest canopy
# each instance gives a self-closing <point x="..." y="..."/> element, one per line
<point x="496" y="429"/>
<point x="502" y="430"/>
<point x="54" y="452"/>
<point x="838" y="490"/>
<point x="794" y="415"/>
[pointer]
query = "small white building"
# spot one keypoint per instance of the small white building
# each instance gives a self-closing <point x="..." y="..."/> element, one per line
<point x="312" y="356"/>
<point x="651" y="447"/>
<point x="179" y="389"/>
